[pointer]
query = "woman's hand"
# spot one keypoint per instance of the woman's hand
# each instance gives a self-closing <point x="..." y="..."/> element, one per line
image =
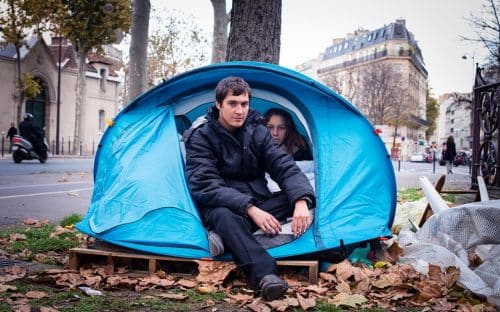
<point x="264" y="220"/>
<point x="301" y="218"/>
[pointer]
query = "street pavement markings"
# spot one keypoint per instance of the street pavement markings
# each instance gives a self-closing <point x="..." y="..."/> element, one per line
<point x="47" y="193"/>
<point x="37" y="185"/>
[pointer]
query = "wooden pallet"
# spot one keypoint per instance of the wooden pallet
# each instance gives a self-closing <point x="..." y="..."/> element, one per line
<point x="77" y="257"/>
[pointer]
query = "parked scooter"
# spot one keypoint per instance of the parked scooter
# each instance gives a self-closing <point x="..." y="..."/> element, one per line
<point x="23" y="149"/>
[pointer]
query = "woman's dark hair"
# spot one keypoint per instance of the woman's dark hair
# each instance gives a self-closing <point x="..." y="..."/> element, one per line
<point x="450" y="139"/>
<point x="292" y="137"/>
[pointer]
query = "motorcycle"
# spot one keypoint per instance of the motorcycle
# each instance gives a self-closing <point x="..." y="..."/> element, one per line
<point x="23" y="149"/>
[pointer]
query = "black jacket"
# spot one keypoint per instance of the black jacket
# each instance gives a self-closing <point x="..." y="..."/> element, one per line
<point x="226" y="170"/>
<point x="450" y="152"/>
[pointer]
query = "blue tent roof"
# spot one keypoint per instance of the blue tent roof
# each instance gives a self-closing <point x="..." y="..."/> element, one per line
<point x="140" y="197"/>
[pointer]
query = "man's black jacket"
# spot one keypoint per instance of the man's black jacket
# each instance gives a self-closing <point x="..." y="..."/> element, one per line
<point x="226" y="170"/>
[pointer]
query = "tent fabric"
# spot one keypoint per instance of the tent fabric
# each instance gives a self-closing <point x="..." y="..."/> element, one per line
<point x="141" y="200"/>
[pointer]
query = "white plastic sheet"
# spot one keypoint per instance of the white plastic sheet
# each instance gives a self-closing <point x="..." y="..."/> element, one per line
<point x="448" y="237"/>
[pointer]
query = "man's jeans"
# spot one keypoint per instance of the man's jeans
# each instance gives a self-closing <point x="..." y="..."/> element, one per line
<point x="236" y="232"/>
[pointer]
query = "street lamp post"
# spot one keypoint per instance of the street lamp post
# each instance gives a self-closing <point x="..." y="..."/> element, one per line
<point x="58" y="104"/>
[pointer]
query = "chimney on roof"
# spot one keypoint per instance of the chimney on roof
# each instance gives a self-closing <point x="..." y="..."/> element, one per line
<point x="401" y="21"/>
<point x="338" y="40"/>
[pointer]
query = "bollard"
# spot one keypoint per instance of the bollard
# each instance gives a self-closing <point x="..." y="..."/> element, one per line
<point x="53" y="146"/>
<point x="399" y="164"/>
<point x="93" y="147"/>
<point x="433" y="161"/>
<point x="81" y="146"/>
<point x="69" y="145"/>
<point x="62" y="146"/>
<point x="3" y="142"/>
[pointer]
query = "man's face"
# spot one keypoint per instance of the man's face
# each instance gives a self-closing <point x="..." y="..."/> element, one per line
<point x="233" y="110"/>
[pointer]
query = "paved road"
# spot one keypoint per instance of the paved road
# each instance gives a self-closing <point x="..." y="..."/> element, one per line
<point x="53" y="190"/>
<point x="63" y="186"/>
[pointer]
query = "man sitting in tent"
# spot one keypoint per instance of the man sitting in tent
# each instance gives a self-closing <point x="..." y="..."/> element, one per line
<point x="226" y="159"/>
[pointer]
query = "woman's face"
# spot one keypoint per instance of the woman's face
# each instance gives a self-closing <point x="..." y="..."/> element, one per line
<point x="276" y="125"/>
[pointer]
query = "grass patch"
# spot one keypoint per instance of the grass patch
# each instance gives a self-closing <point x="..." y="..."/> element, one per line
<point x="410" y="194"/>
<point x="71" y="220"/>
<point x="449" y="198"/>
<point x="195" y="296"/>
<point x="38" y="240"/>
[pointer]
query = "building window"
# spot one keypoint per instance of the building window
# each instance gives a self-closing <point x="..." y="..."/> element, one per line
<point x="103" y="78"/>
<point x="451" y="130"/>
<point x="451" y="121"/>
<point x="102" y="117"/>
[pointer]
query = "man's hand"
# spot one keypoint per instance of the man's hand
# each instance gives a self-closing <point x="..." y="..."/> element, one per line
<point x="301" y="218"/>
<point x="264" y="220"/>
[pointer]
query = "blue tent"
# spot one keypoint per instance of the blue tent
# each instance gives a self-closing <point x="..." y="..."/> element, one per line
<point x="140" y="197"/>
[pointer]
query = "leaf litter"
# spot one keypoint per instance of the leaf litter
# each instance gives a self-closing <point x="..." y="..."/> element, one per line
<point x="353" y="286"/>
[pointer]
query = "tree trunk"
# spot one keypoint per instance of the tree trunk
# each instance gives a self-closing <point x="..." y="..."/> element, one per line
<point x="219" y="40"/>
<point x="81" y="92"/>
<point x="138" y="51"/>
<point x="394" y="136"/>
<point x="255" y="31"/>
<point x="19" y="86"/>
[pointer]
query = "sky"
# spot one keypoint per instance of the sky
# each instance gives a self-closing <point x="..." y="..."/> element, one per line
<point x="308" y="28"/>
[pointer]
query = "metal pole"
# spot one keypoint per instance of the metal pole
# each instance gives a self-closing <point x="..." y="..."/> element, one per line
<point x="81" y="146"/>
<point x="58" y="113"/>
<point x="433" y="161"/>
<point x="62" y="146"/>
<point x="3" y="141"/>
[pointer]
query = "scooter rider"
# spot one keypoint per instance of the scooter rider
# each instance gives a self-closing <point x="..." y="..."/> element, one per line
<point x="32" y="133"/>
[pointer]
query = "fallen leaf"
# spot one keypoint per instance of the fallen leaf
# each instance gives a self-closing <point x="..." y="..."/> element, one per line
<point x="11" y="273"/>
<point x="395" y="251"/>
<point x="48" y="309"/>
<point x="214" y="272"/>
<point x="205" y="289"/>
<point x="328" y="277"/>
<point x="5" y="288"/>
<point x="186" y="283"/>
<point x="17" y="237"/>
<point x="343" y="270"/>
<point x="21" y="308"/>
<point x="362" y="286"/>
<point x="387" y="280"/>
<point x="258" y="306"/>
<point x="36" y="294"/>
<point x="278" y="305"/>
<point x="348" y="300"/>
<point x="73" y="194"/>
<point x="317" y="289"/>
<point x="428" y="289"/>
<point x="58" y="231"/>
<point x="306" y="303"/>
<point x="343" y="287"/>
<point x="63" y="179"/>
<point x="239" y="297"/>
<point x="30" y="221"/>
<point x="173" y="296"/>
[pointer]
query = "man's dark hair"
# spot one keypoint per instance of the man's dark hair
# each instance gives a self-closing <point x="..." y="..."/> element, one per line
<point x="235" y="84"/>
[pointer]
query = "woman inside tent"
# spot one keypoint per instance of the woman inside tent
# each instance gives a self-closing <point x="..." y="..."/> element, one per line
<point x="284" y="132"/>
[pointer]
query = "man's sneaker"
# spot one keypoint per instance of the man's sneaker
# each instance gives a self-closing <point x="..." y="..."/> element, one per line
<point x="215" y="244"/>
<point x="272" y="287"/>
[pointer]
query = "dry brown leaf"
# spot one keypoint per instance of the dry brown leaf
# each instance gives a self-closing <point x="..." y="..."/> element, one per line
<point x="156" y="280"/>
<point x="343" y="287"/>
<point x="48" y="309"/>
<point x="387" y="280"/>
<point x="58" y="231"/>
<point x="124" y="281"/>
<point x="214" y="272"/>
<point x="63" y="179"/>
<point x="395" y="251"/>
<point x="362" y="286"/>
<point x="428" y="289"/>
<point x="36" y="294"/>
<point x="317" y="289"/>
<point x="30" y="221"/>
<point x="328" y="277"/>
<point x="348" y="300"/>
<point x="173" y="296"/>
<point x="17" y="237"/>
<point x="451" y="276"/>
<point x="5" y="288"/>
<point x="205" y="289"/>
<point x="306" y="303"/>
<point x="11" y="273"/>
<point x="258" y="306"/>
<point x="278" y="305"/>
<point x="186" y="283"/>
<point x="21" y="308"/>
<point x="240" y="298"/>
<point x="343" y="270"/>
